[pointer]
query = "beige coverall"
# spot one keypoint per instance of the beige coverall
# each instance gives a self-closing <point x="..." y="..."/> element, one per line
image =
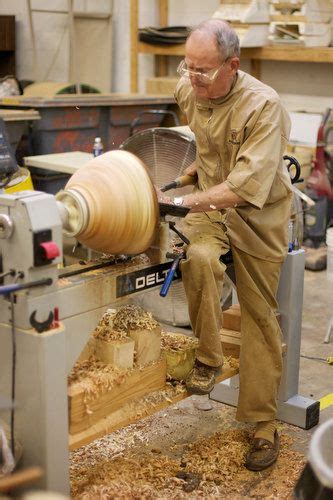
<point x="240" y="139"/>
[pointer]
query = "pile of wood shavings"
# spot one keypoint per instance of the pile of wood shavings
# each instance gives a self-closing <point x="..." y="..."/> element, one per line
<point x="231" y="361"/>
<point x="133" y="317"/>
<point x="106" y="332"/>
<point x="93" y="375"/>
<point x="217" y="460"/>
<point x="177" y="342"/>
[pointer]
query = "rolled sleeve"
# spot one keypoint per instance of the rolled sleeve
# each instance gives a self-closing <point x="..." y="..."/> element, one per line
<point x="259" y="156"/>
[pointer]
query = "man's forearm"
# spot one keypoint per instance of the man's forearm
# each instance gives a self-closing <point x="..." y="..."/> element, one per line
<point x="215" y="198"/>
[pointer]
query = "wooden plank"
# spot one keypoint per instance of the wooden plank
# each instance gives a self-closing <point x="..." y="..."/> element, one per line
<point x="270" y="52"/>
<point x="138" y="383"/>
<point x="20" y="478"/>
<point x="132" y="412"/>
<point x="134" y="23"/>
<point x="290" y="53"/>
<point x="233" y="338"/>
<point x="162" y="50"/>
<point x="67" y="163"/>
<point x="231" y="319"/>
<point x="13" y="115"/>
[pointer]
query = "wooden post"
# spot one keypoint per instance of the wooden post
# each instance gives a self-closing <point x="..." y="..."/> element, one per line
<point x="161" y="62"/>
<point x="255" y="68"/>
<point x="134" y="22"/>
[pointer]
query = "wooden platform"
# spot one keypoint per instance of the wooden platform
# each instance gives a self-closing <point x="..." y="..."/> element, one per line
<point x="87" y="408"/>
<point x="135" y="409"/>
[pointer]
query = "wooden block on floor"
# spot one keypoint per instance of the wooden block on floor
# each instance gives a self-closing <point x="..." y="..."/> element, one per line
<point x="147" y="345"/>
<point x="85" y="411"/>
<point x="115" y="353"/>
<point x="231" y="318"/>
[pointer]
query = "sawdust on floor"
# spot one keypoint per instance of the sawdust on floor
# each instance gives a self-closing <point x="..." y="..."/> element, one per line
<point x="129" y="464"/>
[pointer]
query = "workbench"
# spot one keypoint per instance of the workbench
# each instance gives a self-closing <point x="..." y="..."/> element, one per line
<point x="65" y="163"/>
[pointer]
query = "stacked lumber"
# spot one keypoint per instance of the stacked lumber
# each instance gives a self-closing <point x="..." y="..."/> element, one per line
<point x="231" y="337"/>
<point x="89" y="402"/>
<point x="249" y="18"/>
<point x="301" y="22"/>
<point x="231" y="331"/>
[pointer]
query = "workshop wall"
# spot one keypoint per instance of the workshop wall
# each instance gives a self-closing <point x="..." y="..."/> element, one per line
<point x="53" y="44"/>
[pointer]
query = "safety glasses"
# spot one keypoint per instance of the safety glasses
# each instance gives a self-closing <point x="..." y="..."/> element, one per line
<point x="204" y="76"/>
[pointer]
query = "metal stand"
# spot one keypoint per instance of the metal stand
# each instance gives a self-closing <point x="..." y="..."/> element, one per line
<point x="293" y="408"/>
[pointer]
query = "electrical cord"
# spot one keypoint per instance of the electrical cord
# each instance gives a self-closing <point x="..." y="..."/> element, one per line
<point x="12" y="411"/>
<point x="328" y="360"/>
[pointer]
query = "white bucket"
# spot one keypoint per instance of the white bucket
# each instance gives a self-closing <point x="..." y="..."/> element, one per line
<point x="329" y="243"/>
<point x="321" y="453"/>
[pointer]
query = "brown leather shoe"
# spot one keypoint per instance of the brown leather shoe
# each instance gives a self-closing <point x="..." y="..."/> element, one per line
<point x="202" y="378"/>
<point x="263" y="453"/>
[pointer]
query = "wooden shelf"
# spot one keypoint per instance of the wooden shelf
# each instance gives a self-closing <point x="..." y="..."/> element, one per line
<point x="290" y="53"/>
<point x="161" y="50"/>
<point x="271" y="52"/>
<point x="255" y="55"/>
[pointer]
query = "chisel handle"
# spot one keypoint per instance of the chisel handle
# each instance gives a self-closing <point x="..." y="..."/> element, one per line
<point x="14" y="287"/>
<point x="169" y="277"/>
<point x="184" y="180"/>
<point x="5" y="289"/>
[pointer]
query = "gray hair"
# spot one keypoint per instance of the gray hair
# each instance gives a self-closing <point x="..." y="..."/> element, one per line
<point x="225" y="36"/>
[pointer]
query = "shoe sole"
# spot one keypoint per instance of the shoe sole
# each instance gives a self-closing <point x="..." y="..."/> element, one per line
<point x="258" y="469"/>
<point x="200" y="392"/>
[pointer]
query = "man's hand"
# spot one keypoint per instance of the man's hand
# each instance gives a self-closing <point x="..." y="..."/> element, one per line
<point x="161" y="197"/>
<point x="191" y="170"/>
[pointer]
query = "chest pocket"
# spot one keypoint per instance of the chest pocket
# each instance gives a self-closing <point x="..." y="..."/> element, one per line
<point x="233" y="141"/>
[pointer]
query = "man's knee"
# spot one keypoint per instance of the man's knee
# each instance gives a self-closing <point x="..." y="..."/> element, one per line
<point x="202" y="256"/>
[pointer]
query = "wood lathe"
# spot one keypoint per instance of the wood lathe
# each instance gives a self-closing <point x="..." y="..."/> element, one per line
<point x="110" y="205"/>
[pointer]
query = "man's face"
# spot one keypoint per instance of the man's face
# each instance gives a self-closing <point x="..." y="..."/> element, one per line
<point x="202" y="55"/>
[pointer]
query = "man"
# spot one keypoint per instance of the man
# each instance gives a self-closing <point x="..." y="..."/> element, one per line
<point x="241" y="203"/>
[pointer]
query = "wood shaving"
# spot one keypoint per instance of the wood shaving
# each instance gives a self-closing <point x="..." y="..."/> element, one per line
<point x="218" y="460"/>
<point x="231" y="361"/>
<point x="106" y="331"/>
<point x="93" y="375"/>
<point x="133" y="317"/>
<point x="177" y="342"/>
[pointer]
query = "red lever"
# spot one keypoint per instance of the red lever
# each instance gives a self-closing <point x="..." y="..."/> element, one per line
<point x="51" y="250"/>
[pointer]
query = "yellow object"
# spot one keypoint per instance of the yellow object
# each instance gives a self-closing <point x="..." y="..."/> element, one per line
<point x="180" y="363"/>
<point x="326" y="401"/>
<point x="330" y="360"/>
<point x="21" y="182"/>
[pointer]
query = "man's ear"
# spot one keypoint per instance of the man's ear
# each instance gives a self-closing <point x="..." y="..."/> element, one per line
<point x="234" y="64"/>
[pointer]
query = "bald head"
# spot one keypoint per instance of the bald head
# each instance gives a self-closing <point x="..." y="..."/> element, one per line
<point x="223" y="35"/>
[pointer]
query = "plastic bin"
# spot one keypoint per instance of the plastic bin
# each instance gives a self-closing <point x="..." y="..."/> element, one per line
<point x="316" y="481"/>
<point x="71" y="122"/>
